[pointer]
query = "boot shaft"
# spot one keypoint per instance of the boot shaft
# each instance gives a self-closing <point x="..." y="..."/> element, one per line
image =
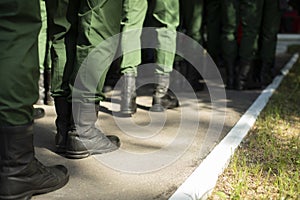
<point x="49" y="100"/>
<point x="128" y="96"/>
<point x="16" y="148"/>
<point x="41" y="99"/>
<point x="21" y="175"/>
<point x="129" y="82"/>
<point x="230" y="75"/>
<point x="162" y="84"/>
<point x="265" y="74"/>
<point x="87" y="139"/>
<point x="64" y="122"/>
<point x="244" y="69"/>
<point x="85" y="116"/>
<point x="63" y="110"/>
<point x="161" y="98"/>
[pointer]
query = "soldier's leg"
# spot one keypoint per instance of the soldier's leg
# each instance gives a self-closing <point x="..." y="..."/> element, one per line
<point x="191" y="12"/>
<point x="134" y="12"/>
<point x="98" y="21"/>
<point x="62" y="30"/>
<point x="180" y="66"/>
<point x="229" y="39"/>
<point x="166" y="20"/>
<point x="22" y="175"/>
<point x="213" y="11"/>
<point x="268" y="39"/>
<point x="250" y="21"/>
<point x="42" y="39"/>
<point x="192" y="18"/>
<point x="19" y="64"/>
<point x="44" y="56"/>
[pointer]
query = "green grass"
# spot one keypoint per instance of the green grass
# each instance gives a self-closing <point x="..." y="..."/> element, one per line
<point x="267" y="163"/>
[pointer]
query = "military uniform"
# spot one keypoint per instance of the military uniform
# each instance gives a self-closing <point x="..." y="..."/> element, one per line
<point x="134" y="13"/>
<point x="268" y="17"/>
<point x="21" y="174"/>
<point x="165" y="17"/>
<point x="213" y="22"/>
<point x="191" y="13"/>
<point x="191" y="18"/>
<point x="76" y="28"/>
<point x="62" y="31"/>
<point x="42" y="43"/>
<point x="235" y="13"/>
<point x="97" y="22"/>
<point x="19" y="63"/>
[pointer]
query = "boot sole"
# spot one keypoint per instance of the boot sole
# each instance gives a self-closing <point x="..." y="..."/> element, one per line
<point x="157" y="108"/>
<point x="161" y="108"/>
<point x="128" y="112"/>
<point x="27" y="195"/>
<point x="85" y="154"/>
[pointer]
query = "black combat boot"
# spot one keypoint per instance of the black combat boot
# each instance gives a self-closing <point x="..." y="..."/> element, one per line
<point x="64" y="122"/>
<point x="177" y="76"/>
<point x="87" y="139"/>
<point x="128" y="96"/>
<point x="193" y="77"/>
<point x="244" y="69"/>
<point x="265" y="75"/>
<point x="230" y="76"/>
<point x="162" y="99"/>
<point x="48" y="98"/>
<point x="41" y="99"/>
<point x="21" y="174"/>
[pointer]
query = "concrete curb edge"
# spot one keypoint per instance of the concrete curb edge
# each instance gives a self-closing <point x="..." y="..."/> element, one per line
<point x="202" y="181"/>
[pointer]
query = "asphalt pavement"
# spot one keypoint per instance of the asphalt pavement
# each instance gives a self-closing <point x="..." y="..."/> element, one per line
<point x="158" y="150"/>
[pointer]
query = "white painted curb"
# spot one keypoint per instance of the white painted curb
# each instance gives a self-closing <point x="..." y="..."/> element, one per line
<point x="202" y="181"/>
<point x="285" y="40"/>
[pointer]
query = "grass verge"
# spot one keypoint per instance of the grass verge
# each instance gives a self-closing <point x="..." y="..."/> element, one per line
<point x="267" y="163"/>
